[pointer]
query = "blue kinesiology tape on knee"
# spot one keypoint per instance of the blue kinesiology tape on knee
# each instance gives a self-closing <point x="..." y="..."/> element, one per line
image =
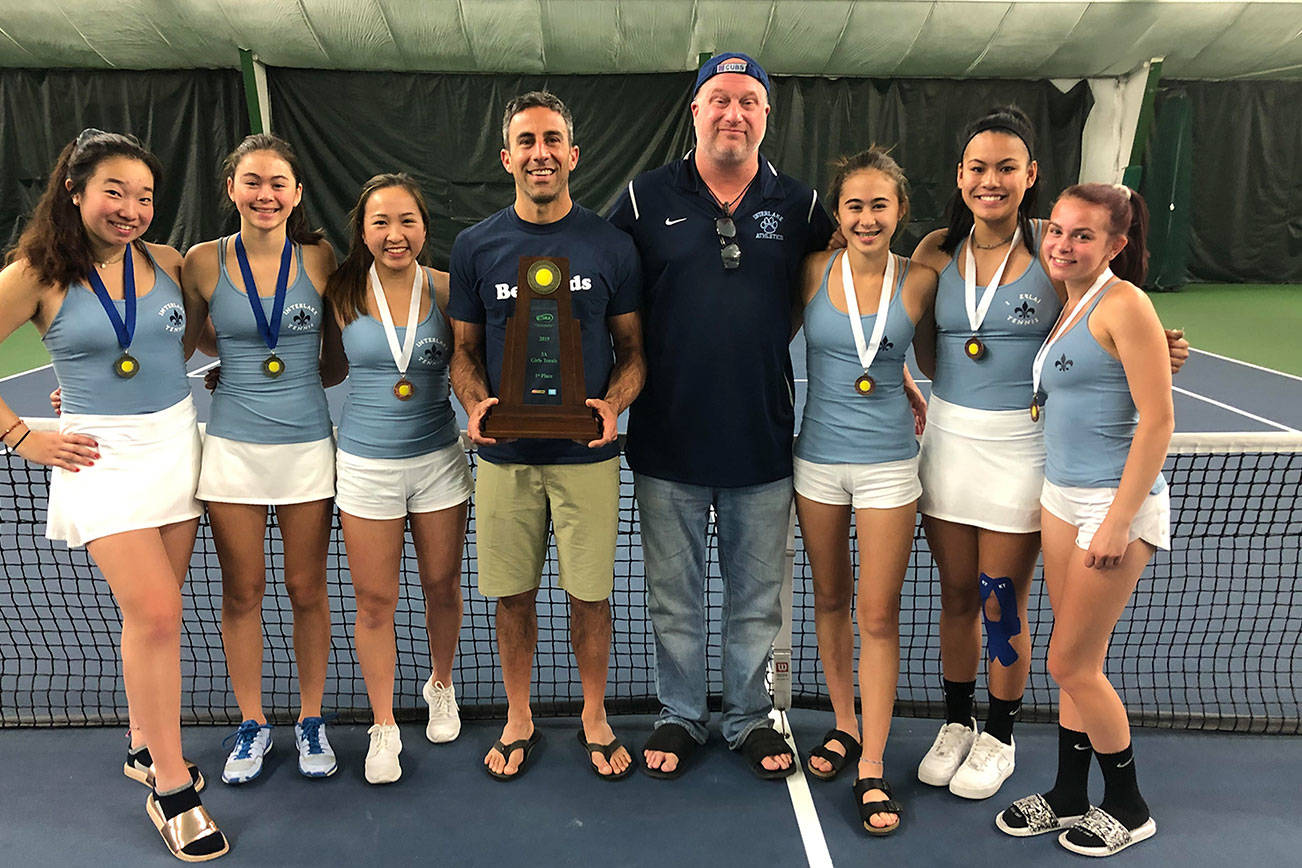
<point x="999" y="633"/>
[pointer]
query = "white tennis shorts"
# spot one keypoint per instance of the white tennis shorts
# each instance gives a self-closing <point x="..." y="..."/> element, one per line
<point x="862" y="486"/>
<point x="385" y="488"/>
<point x="1087" y="507"/>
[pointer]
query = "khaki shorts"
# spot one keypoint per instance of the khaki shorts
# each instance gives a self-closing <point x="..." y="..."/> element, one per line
<point x="512" y="505"/>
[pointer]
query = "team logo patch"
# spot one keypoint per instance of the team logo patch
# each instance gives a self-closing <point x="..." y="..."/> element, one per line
<point x="1022" y="311"/>
<point x="300" y="318"/>
<point x="173" y="317"/>
<point x="731" y="66"/>
<point x="1063" y="364"/>
<point x="769" y="224"/>
<point x="431" y="351"/>
<point x="885" y="346"/>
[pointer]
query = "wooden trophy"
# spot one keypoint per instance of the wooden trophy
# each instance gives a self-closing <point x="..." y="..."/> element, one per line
<point x="542" y="393"/>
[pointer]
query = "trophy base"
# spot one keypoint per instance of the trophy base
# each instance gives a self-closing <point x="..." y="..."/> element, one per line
<point x="579" y="423"/>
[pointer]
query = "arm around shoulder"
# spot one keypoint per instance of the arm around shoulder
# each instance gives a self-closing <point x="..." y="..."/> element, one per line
<point x="928" y="251"/>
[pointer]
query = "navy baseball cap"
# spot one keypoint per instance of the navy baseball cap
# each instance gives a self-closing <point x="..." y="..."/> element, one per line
<point x="731" y="61"/>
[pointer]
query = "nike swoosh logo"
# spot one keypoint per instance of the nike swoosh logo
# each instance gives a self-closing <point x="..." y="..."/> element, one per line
<point x="669" y="222"/>
<point x="1126" y="763"/>
<point x="1081" y="747"/>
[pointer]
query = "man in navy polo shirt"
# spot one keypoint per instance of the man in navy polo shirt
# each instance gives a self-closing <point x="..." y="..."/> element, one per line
<point x="520" y="483"/>
<point x="722" y="235"/>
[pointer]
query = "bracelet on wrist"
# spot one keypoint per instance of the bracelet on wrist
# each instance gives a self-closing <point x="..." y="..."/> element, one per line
<point x="10" y="429"/>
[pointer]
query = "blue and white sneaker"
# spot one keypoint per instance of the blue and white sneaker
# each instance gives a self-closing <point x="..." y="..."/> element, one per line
<point x="316" y="759"/>
<point x="252" y="743"/>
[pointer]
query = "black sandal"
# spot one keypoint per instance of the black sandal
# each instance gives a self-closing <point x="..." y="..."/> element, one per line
<point x="670" y="738"/>
<point x="607" y="751"/>
<point x="838" y="761"/>
<point x="867" y="809"/>
<point x="765" y="741"/>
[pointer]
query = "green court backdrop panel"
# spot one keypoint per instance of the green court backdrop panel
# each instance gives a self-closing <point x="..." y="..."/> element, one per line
<point x="190" y="118"/>
<point x="1247" y="181"/>
<point x="446" y="131"/>
<point x="1167" y="183"/>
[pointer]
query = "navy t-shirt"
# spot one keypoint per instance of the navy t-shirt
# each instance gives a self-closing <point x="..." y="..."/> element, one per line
<point x="605" y="281"/>
<point x="718" y="405"/>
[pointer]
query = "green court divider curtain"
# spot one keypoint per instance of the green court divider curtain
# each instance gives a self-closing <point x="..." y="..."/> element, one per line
<point x="446" y="131"/>
<point x="1168" y="178"/>
<point x="189" y="118"/>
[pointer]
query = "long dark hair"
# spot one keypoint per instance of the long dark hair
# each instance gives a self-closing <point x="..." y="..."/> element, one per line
<point x="1003" y="119"/>
<point x="346" y="288"/>
<point x="1128" y="217"/>
<point x="296" y="226"/>
<point x="876" y="157"/>
<point x="54" y="242"/>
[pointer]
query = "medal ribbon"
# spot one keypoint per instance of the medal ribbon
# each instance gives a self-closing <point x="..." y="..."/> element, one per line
<point x="401" y="357"/>
<point x="1059" y="330"/>
<point x="126" y="331"/>
<point x="270" y="331"/>
<point x="867" y="355"/>
<point x="976" y="311"/>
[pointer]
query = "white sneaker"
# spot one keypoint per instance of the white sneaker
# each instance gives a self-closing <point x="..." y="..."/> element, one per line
<point x="444" y="721"/>
<point x="382" y="766"/>
<point x="987" y="766"/>
<point x="316" y="759"/>
<point x="252" y="743"/>
<point x="947" y="753"/>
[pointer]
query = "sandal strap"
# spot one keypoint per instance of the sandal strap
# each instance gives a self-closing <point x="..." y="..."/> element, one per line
<point x="863" y="785"/>
<point x="764" y="741"/>
<point x="1107" y="828"/>
<point x="187" y="827"/>
<point x="848" y="743"/>
<point x="1038" y="814"/>
<point x="672" y="738"/>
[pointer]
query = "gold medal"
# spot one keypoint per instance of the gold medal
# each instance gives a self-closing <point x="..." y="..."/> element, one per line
<point x="272" y="366"/>
<point x="126" y="366"/>
<point x="403" y="389"/>
<point x="865" y="385"/>
<point x="1035" y="411"/>
<point x="974" y="348"/>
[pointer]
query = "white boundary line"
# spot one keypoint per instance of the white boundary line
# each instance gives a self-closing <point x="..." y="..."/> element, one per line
<point x="1262" y="368"/>
<point x="25" y="373"/>
<point x="202" y="369"/>
<point x="1253" y="416"/>
<point x="802" y="802"/>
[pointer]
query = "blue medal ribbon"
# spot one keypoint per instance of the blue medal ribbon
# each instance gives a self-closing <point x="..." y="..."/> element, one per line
<point x="126" y="331"/>
<point x="270" y="331"/>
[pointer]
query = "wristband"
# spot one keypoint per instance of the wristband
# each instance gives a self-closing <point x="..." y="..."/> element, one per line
<point x="14" y="448"/>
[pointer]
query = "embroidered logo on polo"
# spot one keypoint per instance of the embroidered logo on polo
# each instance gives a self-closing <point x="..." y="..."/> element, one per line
<point x="578" y="283"/>
<point x="1063" y="364"/>
<point x="1023" y="313"/>
<point x="431" y="351"/>
<point x="173" y="317"/>
<point x="300" y="318"/>
<point x="769" y="224"/>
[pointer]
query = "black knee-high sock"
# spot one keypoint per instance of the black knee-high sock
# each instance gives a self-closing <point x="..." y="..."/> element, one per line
<point x="1001" y="717"/>
<point x="1121" y="796"/>
<point x="959" y="701"/>
<point x="1070" y="795"/>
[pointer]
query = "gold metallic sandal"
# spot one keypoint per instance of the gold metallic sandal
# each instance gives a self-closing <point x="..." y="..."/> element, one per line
<point x="184" y="829"/>
<point x="145" y="775"/>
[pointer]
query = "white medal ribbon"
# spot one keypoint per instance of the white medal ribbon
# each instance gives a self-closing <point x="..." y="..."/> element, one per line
<point x="866" y="355"/>
<point x="1037" y="367"/>
<point x="976" y="311"/>
<point x="401" y="356"/>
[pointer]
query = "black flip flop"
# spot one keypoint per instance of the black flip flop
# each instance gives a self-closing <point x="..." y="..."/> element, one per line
<point x="670" y="738"/>
<point x="525" y="744"/>
<point x="765" y="741"/>
<point x="607" y="751"/>
<point x="838" y="761"/>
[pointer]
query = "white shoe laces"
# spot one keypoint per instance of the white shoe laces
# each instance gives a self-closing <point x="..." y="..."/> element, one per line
<point x="444" y="701"/>
<point x="983" y="752"/>
<point x="382" y="738"/>
<point x="949" y="738"/>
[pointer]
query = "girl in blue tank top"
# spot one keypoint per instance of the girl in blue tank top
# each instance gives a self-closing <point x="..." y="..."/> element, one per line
<point x="400" y="457"/>
<point x="1105" y="400"/>
<point x="269" y="441"/>
<point x="118" y="329"/>
<point x="857" y="453"/>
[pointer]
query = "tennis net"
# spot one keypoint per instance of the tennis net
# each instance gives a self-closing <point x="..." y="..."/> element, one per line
<point x="1210" y="640"/>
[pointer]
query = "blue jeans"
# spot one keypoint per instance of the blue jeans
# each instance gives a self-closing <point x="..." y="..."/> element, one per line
<point x="752" y="526"/>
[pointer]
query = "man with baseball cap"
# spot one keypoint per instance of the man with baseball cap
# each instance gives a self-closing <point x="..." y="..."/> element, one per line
<point x="722" y="234"/>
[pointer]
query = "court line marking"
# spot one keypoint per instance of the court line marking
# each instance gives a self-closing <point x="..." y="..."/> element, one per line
<point x="802" y="802"/>
<point x="203" y="369"/>
<point x="1253" y="416"/>
<point x="1246" y="364"/>
<point x="25" y="373"/>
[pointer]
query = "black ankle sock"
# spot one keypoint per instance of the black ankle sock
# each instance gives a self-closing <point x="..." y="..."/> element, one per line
<point x="175" y="802"/>
<point x="1121" y="796"/>
<point x="1001" y="717"/>
<point x="1070" y="794"/>
<point x="958" y="701"/>
<point x="139" y="756"/>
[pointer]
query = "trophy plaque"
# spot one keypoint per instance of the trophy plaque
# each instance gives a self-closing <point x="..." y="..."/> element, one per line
<point x="542" y="393"/>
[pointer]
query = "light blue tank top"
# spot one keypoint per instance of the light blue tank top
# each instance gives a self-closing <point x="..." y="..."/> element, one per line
<point x="375" y="424"/>
<point x="83" y="347"/>
<point x="247" y="405"/>
<point x="840" y="426"/>
<point x="1019" y="319"/>
<point x="1089" y="417"/>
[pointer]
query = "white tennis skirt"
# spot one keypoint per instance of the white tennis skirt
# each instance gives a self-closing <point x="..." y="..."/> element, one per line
<point x="266" y="473"/>
<point x="1085" y="508"/>
<point x="387" y="488"/>
<point x="983" y="468"/>
<point x="885" y="485"/>
<point x="145" y="475"/>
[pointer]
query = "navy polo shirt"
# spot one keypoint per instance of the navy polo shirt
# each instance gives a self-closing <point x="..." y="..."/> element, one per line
<point x="718" y="405"/>
<point x="605" y="281"/>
